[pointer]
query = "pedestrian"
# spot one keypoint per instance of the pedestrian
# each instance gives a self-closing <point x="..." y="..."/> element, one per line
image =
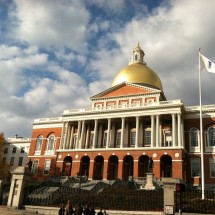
<point x="78" y="209"/>
<point x="92" y="211"/>
<point x="87" y="210"/>
<point x="29" y="164"/>
<point x="68" y="208"/>
<point x="100" y="212"/>
<point x="61" y="210"/>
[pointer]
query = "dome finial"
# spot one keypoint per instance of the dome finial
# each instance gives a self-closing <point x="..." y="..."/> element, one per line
<point x="137" y="55"/>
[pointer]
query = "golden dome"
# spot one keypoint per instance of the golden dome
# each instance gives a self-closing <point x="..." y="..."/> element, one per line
<point x="138" y="72"/>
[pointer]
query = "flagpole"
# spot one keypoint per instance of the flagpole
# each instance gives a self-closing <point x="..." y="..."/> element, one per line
<point x="201" y="133"/>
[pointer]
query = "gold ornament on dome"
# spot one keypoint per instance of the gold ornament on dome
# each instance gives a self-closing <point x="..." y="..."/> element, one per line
<point x="138" y="72"/>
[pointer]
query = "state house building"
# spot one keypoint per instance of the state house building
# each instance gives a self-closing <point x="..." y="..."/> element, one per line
<point x="126" y="125"/>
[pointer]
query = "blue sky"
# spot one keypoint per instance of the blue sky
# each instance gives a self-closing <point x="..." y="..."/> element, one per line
<point x="55" y="55"/>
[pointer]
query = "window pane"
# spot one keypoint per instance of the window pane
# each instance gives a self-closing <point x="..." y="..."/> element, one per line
<point x="47" y="167"/>
<point x="147" y="137"/>
<point x="212" y="167"/>
<point x="195" y="167"/>
<point x="91" y="140"/>
<point x="118" y="138"/>
<point x="35" y="166"/>
<point x="132" y="138"/>
<point x="39" y="143"/>
<point x="105" y="139"/>
<point x="50" y="143"/>
<point x="14" y="150"/>
<point x="5" y="150"/>
<point x="20" y="161"/>
<point x="12" y="161"/>
<point x="211" y="133"/>
<point x="194" y="137"/>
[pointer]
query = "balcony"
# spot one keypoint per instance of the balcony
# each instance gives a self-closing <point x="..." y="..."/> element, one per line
<point x="123" y="107"/>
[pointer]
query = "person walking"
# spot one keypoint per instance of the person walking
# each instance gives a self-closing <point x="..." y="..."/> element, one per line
<point x="30" y="163"/>
<point x="92" y="211"/>
<point x="87" y="210"/>
<point x="61" y="210"/>
<point x="100" y="212"/>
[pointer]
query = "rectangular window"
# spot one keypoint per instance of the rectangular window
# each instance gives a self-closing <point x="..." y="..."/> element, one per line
<point x="35" y="166"/>
<point x="4" y="160"/>
<point x="132" y="138"/>
<point x="136" y="104"/>
<point x="212" y="168"/>
<point x="14" y="150"/>
<point x="74" y="141"/>
<point x="195" y="167"/>
<point x="118" y="139"/>
<point x="147" y="137"/>
<point x="12" y="161"/>
<point x="20" y="161"/>
<point x="124" y="104"/>
<point x="105" y="139"/>
<point x="47" y="167"/>
<point x="168" y="138"/>
<point x="5" y="150"/>
<point x="91" y="140"/>
<point x="22" y="149"/>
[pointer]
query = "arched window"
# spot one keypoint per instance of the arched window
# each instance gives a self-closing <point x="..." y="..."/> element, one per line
<point x="211" y="136"/>
<point x="50" y="143"/>
<point x="194" y="141"/>
<point x="39" y="143"/>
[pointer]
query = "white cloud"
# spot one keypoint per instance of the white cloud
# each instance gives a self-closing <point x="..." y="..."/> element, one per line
<point x="50" y="24"/>
<point x="170" y="36"/>
<point x="37" y="84"/>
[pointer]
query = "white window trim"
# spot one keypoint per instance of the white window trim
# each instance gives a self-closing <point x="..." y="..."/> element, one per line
<point x="33" y="168"/>
<point x="45" y="166"/>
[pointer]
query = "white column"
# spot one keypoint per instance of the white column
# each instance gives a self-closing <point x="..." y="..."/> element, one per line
<point x="71" y="137"/>
<point x="179" y="129"/>
<point x="157" y="130"/>
<point x="100" y="134"/>
<point x="82" y="134"/>
<point x="108" y="133"/>
<point x="122" y="132"/>
<point x="62" y="136"/>
<point x="68" y="135"/>
<point x="173" y="130"/>
<point x="161" y="134"/>
<point x="137" y="132"/>
<point x="78" y="134"/>
<point x="113" y="136"/>
<point x="141" y="133"/>
<point x="182" y="131"/>
<point x="95" y="133"/>
<point x="65" y="136"/>
<point x="87" y="137"/>
<point x="152" y="130"/>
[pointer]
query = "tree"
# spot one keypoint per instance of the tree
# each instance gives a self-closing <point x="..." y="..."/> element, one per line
<point x="4" y="168"/>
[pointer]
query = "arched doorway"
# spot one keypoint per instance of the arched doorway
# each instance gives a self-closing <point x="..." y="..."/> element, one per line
<point x="112" y="173"/>
<point x="67" y="166"/>
<point x="165" y="166"/>
<point x="143" y="165"/>
<point x="128" y="167"/>
<point x="84" y="166"/>
<point x="98" y="168"/>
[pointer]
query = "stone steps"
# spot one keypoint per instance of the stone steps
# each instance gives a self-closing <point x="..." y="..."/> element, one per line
<point x="4" y="210"/>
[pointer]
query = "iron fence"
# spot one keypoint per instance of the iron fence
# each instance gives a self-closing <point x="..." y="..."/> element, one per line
<point x="109" y="198"/>
<point x="191" y="201"/>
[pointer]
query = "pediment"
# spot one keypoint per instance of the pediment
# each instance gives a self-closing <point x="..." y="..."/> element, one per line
<point x="125" y="89"/>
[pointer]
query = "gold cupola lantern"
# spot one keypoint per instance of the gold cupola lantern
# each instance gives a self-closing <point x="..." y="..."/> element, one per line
<point x="138" y="72"/>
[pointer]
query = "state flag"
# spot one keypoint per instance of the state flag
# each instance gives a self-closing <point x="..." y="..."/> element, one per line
<point x="207" y="64"/>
